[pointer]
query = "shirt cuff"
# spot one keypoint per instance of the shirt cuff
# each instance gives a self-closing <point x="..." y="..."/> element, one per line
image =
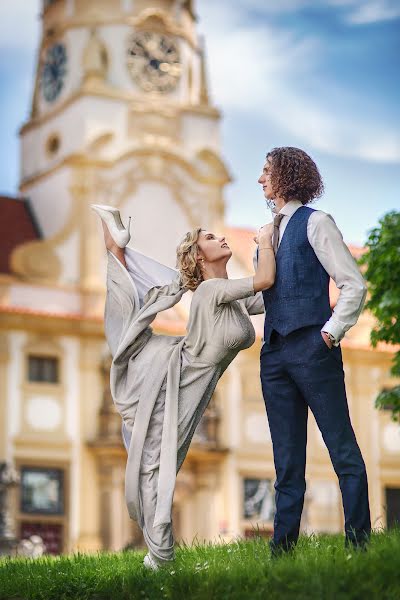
<point x="335" y="330"/>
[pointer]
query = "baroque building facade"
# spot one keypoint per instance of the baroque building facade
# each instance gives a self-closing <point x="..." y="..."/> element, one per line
<point x="121" y="115"/>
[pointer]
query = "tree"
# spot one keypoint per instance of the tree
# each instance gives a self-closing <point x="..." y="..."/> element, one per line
<point x="382" y="260"/>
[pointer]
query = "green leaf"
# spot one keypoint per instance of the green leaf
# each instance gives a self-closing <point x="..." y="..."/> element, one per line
<point x="382" y="272"/>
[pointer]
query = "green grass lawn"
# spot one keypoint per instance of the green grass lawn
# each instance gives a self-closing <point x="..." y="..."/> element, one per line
<point x="319" y="568"/>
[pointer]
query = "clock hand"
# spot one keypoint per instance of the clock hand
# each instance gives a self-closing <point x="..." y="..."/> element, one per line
<point x="140" y="50"/>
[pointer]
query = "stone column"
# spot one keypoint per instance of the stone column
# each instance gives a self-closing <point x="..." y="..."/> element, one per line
<point x="9" y="478"/>
<point x="206" y="520"/>
<point x="90" y="393"/>
<point x="4" y="360"/>
<point x="116" y="530"/>
<point x="184" y="504"/>
<point x="114" y="516"/>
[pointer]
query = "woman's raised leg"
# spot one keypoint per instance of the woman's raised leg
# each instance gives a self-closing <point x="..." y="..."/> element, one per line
<point x="112" y="246"/>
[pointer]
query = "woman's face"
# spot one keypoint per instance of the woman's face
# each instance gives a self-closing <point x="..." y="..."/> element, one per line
<point x="213" y="248"/>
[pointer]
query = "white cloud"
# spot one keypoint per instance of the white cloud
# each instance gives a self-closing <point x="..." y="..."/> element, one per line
<point x="373" y="12"/>
<point x="257" y="68"/>
<point x="353" y="12"/>
<point x="263" y="70"/>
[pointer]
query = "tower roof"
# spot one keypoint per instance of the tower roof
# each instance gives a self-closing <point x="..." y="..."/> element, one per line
<point x="17" y="225"/>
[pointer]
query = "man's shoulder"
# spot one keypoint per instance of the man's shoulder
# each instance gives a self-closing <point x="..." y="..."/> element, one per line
<point x="318" y="217"/>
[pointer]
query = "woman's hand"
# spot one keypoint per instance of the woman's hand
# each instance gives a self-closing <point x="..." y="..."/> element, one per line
<point x="264" y="277"/>
<point x="264" y="235"/>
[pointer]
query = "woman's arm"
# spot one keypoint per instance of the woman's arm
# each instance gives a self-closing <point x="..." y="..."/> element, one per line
<point x="264" y="277"/>
<point x="228" y="290"/>
<point x="255" y="304"/>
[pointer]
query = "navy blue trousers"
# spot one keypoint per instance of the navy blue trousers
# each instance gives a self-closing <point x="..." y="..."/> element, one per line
<point x="299" y="371"/>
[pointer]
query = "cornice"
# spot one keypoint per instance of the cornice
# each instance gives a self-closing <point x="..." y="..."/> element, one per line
<point x="158" y="103"/>
<point x="54" y="324"/>
<point x="138" y="22"/>
<point x="8" y="279"/>
<point x="80" y="160"/>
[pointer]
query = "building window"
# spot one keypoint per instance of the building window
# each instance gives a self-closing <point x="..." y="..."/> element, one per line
<point x="43" y="369"/>
<point x="48" y="3"/>
<point x="392" y="506"/>
<point x="53" y="144"/>
<point x="42" y="491"/>
<point x="258" y="499"/>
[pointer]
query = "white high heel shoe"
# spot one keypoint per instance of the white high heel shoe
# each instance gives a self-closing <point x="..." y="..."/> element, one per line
<point x="150" y="563"/>
<point x="112" y="219"/>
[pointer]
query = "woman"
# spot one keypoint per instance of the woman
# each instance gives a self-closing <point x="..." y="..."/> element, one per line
<point x="162" y="384"/>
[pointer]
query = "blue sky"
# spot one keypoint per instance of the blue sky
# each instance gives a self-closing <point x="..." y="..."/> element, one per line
<point x="318" y="74"/>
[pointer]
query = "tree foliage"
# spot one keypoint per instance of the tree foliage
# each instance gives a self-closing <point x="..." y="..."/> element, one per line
<point x="382" y="260"/>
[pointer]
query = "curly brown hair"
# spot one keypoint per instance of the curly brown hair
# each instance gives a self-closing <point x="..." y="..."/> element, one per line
<point x="294" y="175"/>
<point x="186" y="260"/>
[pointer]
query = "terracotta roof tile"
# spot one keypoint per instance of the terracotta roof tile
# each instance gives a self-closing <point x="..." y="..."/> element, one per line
<point x="17" y="225"/>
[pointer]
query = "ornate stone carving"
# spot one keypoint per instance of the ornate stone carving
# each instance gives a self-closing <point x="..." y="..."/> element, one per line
<point x="204" y="97"/>
<point x="156" y="19"/>
<point x="212" y="167"/>
<point x="208" y="428"/>
<point x="116" y="190"/>
<point x="36" y="260"/>
<point x="95" y="60"/>
<point x="150" y="120"/>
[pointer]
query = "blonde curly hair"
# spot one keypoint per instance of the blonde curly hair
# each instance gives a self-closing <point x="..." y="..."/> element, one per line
<point x="186" y="260"/>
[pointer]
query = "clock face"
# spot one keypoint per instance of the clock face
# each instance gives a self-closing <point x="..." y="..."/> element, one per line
<point x="54" y="71"/>
<point x="153" y="61"/>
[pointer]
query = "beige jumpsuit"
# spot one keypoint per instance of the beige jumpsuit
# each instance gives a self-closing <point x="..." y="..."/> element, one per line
<point x="162" y="384"/>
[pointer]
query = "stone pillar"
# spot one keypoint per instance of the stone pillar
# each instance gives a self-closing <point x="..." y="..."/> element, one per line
<point x="116" y="530"/>
<point x="184" y="504"/>
<point x="9" y="478"/>
<point x="115" y="525"/>
<point x="90" y="394"/>
<point x="119" y="536"/>
<point x="4" y="360"/>
<point x="206" y="521"/>
<point x="323" y="508"/>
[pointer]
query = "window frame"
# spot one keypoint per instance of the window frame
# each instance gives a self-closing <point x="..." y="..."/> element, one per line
<point x="40" y="356"/>
<point x="58" y="519"/>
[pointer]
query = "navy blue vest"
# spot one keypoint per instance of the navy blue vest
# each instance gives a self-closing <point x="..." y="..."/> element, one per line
<point x="300" y="294"/>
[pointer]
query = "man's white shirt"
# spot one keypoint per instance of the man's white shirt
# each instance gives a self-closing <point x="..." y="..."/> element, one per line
<point x="333" y="254"/>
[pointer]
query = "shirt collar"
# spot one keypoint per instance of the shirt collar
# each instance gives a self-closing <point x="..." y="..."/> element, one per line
<point x="290" y="208"/>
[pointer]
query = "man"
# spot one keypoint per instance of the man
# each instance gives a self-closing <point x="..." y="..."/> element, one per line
<point x="301" y="360"/>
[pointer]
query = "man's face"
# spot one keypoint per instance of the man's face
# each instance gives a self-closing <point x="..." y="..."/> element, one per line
<point x="265" y="180"/>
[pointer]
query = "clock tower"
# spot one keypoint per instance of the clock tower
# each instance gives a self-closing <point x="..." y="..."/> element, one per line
<point x="120" y="115"/>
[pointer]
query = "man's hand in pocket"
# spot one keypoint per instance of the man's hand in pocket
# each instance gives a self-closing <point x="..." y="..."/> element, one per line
<point x="326" y="340"/>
